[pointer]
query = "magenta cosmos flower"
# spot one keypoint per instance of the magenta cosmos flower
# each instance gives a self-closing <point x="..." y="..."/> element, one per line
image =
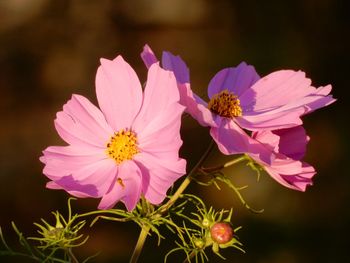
<point x="288" y="147"/>
<point x="128" y="148"/>
<point x="239" y="98"/>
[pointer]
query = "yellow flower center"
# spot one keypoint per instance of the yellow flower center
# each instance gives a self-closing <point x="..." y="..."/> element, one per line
<point x="225" y="104"/>
<point x="122" y="146"/>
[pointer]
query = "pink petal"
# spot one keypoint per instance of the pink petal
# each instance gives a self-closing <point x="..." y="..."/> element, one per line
<point x="158" y="175"/>
<point x="289" y="142"/>
<point x="231" y="139"/>
<point x="162" y="135"/>
<point x="236" y="80"/>
<point x="128" y="190"/>
<point x="176" y="65"/>
<point x="268" y="138"/>
<point x="64" y="160"/>
<point x="275" y="101"/>
<point x="81" y="123"/>
<point x="196" y="107"/>
<point x="276" y="89"/>
<point x="272" y="120"/>
<point x="321" y="98"/>
<point x="54" y="186"/>
<point x="91" y="180"/>
<point x="297" y="181"/>
<point x="160" y="91"/>
<point x="292" y="142"/>
<point x="148" y="56"/>
<point x="119" y="92"/>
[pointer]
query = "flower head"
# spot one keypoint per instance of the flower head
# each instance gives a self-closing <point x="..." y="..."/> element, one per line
<point x="288" y="147"/>
<point x="127" y="148"/>
<point x="240" y="99"/>
<point x="221" y="232"/>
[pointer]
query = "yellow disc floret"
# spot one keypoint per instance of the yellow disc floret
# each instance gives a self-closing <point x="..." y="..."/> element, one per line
<point x="225" y="104"/>
<point x="122" y="146"/>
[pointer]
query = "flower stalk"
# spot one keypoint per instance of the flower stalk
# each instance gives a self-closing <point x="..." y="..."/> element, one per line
<point x="146" y="228"/>
<point x="140" y="242"/>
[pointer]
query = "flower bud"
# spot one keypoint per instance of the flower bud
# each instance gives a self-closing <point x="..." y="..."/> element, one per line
<point x="205" y="222"/>
<point x="221" y="232"/>
<point x="199" y="243"/>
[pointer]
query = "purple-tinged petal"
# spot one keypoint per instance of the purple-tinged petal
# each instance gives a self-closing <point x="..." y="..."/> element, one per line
<point x="298" y="181"/>
<point x="231" y="139"/>
<point x="320" y="98"/>
<point x="196" y="107"/>
<point x="158" y="175"/>
<point x="276" y="89"/>
<point x="268" y="138"/>
<point x="292" y="142"/>
<point x="271" y="120"/>
<point x="148" y="56"/>
<point x="289" y="142"/>
<point x="126" y="188"/>
<point x="176" y="65"/>
<point x="82" y="124"/>
<point x="119" y="92"/>
<point x="236" y="80"/>
<point x="277" y="94"/>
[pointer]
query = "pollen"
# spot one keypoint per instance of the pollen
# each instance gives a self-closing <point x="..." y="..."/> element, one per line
<point x="122" y="146"/>
<point x="226" y="104"/>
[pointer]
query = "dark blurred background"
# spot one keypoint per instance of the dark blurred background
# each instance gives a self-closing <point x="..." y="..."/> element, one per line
<point x="51" y="49"/>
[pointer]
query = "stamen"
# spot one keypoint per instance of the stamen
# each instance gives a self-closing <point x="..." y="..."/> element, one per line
<point x="122" y="146"/>
<point x="225" y="104"/>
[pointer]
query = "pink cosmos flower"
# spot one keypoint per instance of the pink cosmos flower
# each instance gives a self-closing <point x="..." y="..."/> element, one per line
<point x="128" y="148"/>
<point x="230" y="140"/>
<point x="239" y="98"/>
<point x="288" y="147"/>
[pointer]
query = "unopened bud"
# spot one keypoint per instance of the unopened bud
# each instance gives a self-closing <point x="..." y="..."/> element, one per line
<point x="199" y="243"/>
<point x="205" y="222"/>
<point x="221" y="232"/>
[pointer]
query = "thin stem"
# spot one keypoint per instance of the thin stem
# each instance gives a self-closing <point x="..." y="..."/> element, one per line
<point x="235" y="161"/>
<point x="187" y="259"/>
<point x="140" y="243"/>
<point x="222" y="166"/>
<point x="146" y="228"/>
<point x="72" y="256"/>
<point x="187" y="180"/>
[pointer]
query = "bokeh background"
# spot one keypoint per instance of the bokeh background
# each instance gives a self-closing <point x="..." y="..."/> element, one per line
<point x="50" y="49"/>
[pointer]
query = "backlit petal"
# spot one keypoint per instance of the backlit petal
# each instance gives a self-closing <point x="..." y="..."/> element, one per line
<point x="148" y="56"/>
<point x="159" y="175"/>
<point x="125" y="188"/>
<point x="236" y="80"/>
<point x="81" y="123"/>
<point x="119" y="92"/>
<point x="160" y="92"/>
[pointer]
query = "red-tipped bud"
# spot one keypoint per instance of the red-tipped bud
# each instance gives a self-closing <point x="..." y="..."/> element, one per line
<point x="221" y="232"/>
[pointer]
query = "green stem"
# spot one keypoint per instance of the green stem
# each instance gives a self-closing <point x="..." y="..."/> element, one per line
<point x="145" y="229"/>
<point x="187" y="180"/>
<point x="222" y="166"/>
<point x="72" y="256"/>
<point x="188" y="259"/>
<point x="235" y="161"/>
<point x="140" y="243"/>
